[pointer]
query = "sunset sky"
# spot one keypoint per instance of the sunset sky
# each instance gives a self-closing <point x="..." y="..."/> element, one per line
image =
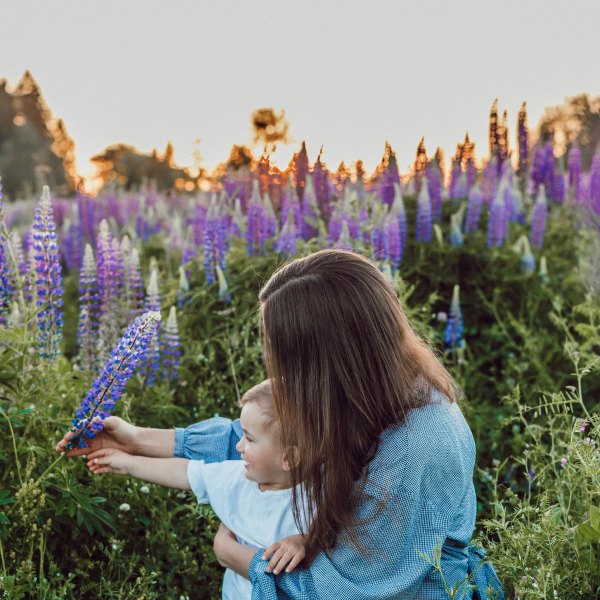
<point x="348" y="74"/>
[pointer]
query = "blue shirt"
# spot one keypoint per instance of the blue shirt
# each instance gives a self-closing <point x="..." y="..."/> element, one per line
<point x="424" y="469"/>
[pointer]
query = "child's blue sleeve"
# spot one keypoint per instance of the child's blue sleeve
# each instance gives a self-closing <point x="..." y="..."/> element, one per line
<point x="213" y="440"/>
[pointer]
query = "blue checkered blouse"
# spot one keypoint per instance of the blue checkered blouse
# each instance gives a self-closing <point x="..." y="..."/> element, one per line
<point x="425" y="469"/>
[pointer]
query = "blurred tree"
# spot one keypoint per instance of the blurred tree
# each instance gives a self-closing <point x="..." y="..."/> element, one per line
<point x="35" y="148"/>
<point x="270" y="128"/>
<point x="578" y="118"/>
<point x="494" y="127"/>
<point x="128" y="167"/>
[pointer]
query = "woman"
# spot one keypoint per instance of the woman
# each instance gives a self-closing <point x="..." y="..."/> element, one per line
<point x="384" y="454"/>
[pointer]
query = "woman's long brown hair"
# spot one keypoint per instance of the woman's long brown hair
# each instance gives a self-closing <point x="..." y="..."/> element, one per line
<point x="345" y="364"/>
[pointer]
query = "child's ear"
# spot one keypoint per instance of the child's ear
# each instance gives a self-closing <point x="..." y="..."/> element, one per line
<point x="292" y="452"/>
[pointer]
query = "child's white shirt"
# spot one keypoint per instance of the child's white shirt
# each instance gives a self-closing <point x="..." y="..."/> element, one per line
<point x="257" y="518"/>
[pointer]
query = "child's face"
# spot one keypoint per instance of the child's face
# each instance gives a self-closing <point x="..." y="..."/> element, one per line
<point x="260" y="450"/>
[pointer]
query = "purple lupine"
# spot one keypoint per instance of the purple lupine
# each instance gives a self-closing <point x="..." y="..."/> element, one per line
<point x="400" y="212"/>
<point x="389" y="178"/>
<point x="198" y="222"/>
<point x="381" y="240"/>
<point x="523" y="139"/>
<point x="109" y="291"/>
<point x="256" y="225"/>
<point x="455" y="327"/>
<point x="108" y="386"/>
<point x="301" y="171"/>
<point x="538" y="219"/>
<point x="335" y="226"/>
<point x="575" y="170"/>
<point x="215" y="241"/>
<point x="6" y="272"/>
<point x="434" y="177"/>
<point x="456" y="236"/>
<point x="490" y="180"/>
<point x="321" y="176"/>
<point x="136" y="284"/>
<point x="471" y="172"/>
<point x="455" y="175"/>
<point x="48" y="278"/>
<point x="270" y="217"/>
<point x="548" y="167"/>
<point x="537" y="167"/>
<point x="16" y="244"/>
<point x="595" y="181"/>
<point x="189" y="251"/>
<point x="286" y="244"/>
<point x="473" y="209"/>
<point x="496" y="223"/>
<point x="170" y="348"/>
<point x="29" y="289"/>
<point x="395" y="241"/>
<point x="66" y="245"/>
<point x="87" y="329"/>
<point x="294" y="204"/>
<point x="152" y="304"/>
<point x="424" y="223"/>
<point x="345" y="241"/>
<point x="462" y="188"/>
<point x="309" y="210"/>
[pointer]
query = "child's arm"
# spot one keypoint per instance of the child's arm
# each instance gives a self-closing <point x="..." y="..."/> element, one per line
<point x="287" y="550"/>
<point x="169" y="472"/>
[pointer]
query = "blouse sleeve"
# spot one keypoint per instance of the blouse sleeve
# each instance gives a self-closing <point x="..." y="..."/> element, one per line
<point x="213" y="440"/>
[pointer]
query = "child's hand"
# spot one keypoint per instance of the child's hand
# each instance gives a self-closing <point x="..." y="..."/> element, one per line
<point x="288" y="550"/>
<point x="110" y="460"/>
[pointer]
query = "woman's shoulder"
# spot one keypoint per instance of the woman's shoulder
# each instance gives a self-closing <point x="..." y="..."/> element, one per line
<point x="435" y="434"/>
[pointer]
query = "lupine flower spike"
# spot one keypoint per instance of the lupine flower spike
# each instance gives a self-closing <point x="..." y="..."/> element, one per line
<point x="215" y="241"/>
<point x="473" y="209"/>
<point x="538" y="219"/>
<point x="223" y="287"/>
<point x="256" y="226"/>
<point x="170" y="347"/>
<point x="153" y="302"/>
<point x="527" y="259"/>
<point x="87" y="330"/>
<point x="286" y="244"/>
<point x="496" y="222"/>
<point x="109" y="385"/>
<point x="6" y="276"/>
<point x="456" y="236"/>
<point x="424" y="217"/>
<point x="454" y="328"/>
<point x="49" y="278"/>
<point x="136" y="285"/>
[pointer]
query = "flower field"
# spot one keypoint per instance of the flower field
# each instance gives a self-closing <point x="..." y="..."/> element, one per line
<point x="498" y="265"/>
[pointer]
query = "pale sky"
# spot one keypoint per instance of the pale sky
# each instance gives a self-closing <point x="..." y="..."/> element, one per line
<point x="348" y="74"/>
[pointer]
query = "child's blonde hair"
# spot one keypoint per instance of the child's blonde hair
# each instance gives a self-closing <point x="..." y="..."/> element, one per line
<point x="262" y="395"/>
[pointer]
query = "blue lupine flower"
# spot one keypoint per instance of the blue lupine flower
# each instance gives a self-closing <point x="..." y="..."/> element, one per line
<point x="473" y="209"/>
<point x="454" y="177"/>
<point x="256" y="224"/>
<point x="286" y="244"/>
<point x="215" y="241"/>
<point x="49" y="289"/>
<point x="335" y="226"/>
<point x="170" y="348"/>
<point x="108" y="386"/>
<point x="189" y="251"/>
<point x="321" y="176"/>
<point x="454" y="328"/>
<point x="537" y="167"/>
<point x="309" y="210"/>
<point x="400" y="212"/>
<point x="345" y="241"/>
<point x="538" y="219"/>
<point x="434" y="178"/>
<point x="390" y="178"/>
<point x="153" y="302"/>
<point x="136" y="284"/>
<point x="575" y="169"/>
<point x="87" y="329"/>
<point x="424" y="217"/>
<point x="184" y="288"/>
<point x="6" y="274"/>
<point x="395" y="243"/>
<point x="496" y="222"/>
<point x="381" y="240"/>
<point x="490" y="180"/>
<point x="456" y="236"/>
<point x="198" y="221"/>
<point x="270" y="217"/>
<point x="595" y="181"/>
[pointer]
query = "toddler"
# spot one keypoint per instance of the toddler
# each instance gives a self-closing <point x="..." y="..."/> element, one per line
<point x="251" y="497"/>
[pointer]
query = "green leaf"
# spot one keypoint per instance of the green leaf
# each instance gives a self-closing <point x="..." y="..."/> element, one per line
<point x="595" y="517"/>
<point x="588" y="534"/>
<point x="144" y="520"/>
<point x="4" y="518"/>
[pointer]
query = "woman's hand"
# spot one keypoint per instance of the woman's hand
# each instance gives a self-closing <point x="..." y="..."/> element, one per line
<point x="116" y="433"/>
<point x="287" y="550"/>
<point x="231" y="554"/>
<point x="110" y="460"/>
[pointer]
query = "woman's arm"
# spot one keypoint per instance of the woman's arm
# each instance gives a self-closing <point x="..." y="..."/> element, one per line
<point x="231" y="554"/>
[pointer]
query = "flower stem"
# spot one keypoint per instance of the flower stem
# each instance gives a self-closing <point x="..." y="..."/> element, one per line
<point x="12" y="433"/>
<point x="63" y="454"/>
